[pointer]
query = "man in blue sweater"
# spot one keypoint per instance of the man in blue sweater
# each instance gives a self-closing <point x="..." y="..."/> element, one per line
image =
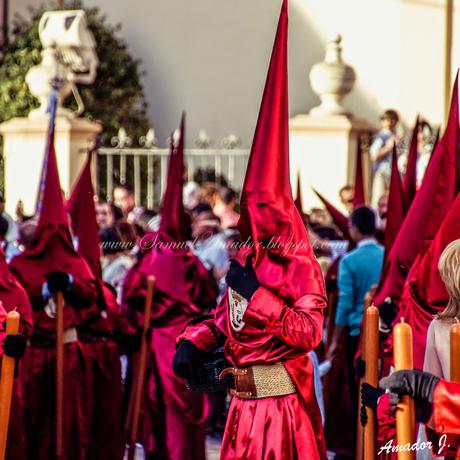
<point x="358" y="271"/>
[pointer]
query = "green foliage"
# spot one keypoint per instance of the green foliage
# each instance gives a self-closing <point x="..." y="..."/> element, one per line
<point x="115" y="99"/>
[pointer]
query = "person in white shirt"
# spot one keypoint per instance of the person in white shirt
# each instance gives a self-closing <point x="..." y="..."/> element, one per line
<point x="381" y="151"/>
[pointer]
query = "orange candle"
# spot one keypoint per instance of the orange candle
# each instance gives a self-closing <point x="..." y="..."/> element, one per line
<point x="6" y="383"/>
<point x="405" y="414"/>
<point x="372" y="352"/>
<point x="455" y="352"/>
<point x="359" y="455"/>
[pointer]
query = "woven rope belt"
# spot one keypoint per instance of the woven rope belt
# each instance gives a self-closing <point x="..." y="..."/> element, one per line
<point x="262" y="381"/>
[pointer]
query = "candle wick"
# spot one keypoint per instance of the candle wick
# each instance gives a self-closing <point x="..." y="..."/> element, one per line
<point x="456" y="320"/>
<point x="402" y="319"/>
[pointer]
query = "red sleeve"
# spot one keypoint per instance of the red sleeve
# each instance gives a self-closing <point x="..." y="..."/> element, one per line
<point x="299" y="325"/>
<point x="446" y="408"/>
<point x="386" y="421"/>
<point x="205" y="335"/>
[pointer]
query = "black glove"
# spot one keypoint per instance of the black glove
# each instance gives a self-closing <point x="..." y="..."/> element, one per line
<point x="360" y="367"/>
<point x="387" y="313"/>
<point x="363" y="415"/>
<point x="187" y="360"/>
<point x="14" y="345"/>
<point x="58" y="281"/>
<point x="242" y="279"/>
<point x="417" y="384"/>
<point x="370" y="395"/>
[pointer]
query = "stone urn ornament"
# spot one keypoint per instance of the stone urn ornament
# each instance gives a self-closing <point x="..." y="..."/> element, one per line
<point x="332" y="80"/>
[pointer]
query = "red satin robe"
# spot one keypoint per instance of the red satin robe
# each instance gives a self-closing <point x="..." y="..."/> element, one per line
<point x="446" y="410"/>
<point x="101" y="385"/>
<point x="13" y="296"/>
<point x="386" y="427"/>
<point x="173" y="420"/>
<point x="275" y="428"/>
<point x="38" y="372"/>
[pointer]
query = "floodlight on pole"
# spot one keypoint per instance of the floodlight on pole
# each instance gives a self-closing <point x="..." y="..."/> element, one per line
<point x="68" y="57"/>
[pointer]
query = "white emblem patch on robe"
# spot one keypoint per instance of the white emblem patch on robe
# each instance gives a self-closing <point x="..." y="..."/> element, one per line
<point x="50" y="308"/>
<point x="237" y="305"/>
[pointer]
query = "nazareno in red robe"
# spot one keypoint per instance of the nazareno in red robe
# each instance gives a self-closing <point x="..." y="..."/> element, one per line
<point x="173" y="420"/>
<point x="284" y="318"/>
<point x="102" y="385"/>
<point x="13" y="296"/>
<point x="51" y="249"/>
<point x="287" y="427"/>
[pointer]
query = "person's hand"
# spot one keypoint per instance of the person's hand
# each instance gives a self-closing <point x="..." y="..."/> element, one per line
<point x="58" y="281"/>
<point x="14" y="345"/>
<point x="187" y="360"/>
<point x="370" y="395"/>
<point x="242" y="279"/>
<point x="363" y="415"/>
<point x="387" y="314"/>
<point x="417" y="384"/>
<point x="369" y="398"/>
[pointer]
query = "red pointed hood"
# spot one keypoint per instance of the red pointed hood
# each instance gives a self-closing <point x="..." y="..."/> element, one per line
<point x="51" y="247"/>
<point x="298" y="198"/>
<point x="268" y="212"/>
<point x="51" y="206"/>
<point x="267" y="176"/>
<point x="359" y="198"/>
<point x="410" y="177"/>
<point x="174" y="224"/>
<point x="340" y="220"/>
<point x="396" y="206"/>
<point x="178" y="273"/>
<point x="428" y="210"/>
<point x="83" y="217"/>
<point x="425" y="294"/>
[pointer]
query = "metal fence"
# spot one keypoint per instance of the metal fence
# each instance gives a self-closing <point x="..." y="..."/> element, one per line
<point x="145" y="169"/>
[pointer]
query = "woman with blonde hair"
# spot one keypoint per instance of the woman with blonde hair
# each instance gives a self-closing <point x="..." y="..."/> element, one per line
<point x="437" y="353"/>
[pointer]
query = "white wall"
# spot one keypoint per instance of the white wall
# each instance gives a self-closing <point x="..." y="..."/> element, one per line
<point x="210" y="57"/>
